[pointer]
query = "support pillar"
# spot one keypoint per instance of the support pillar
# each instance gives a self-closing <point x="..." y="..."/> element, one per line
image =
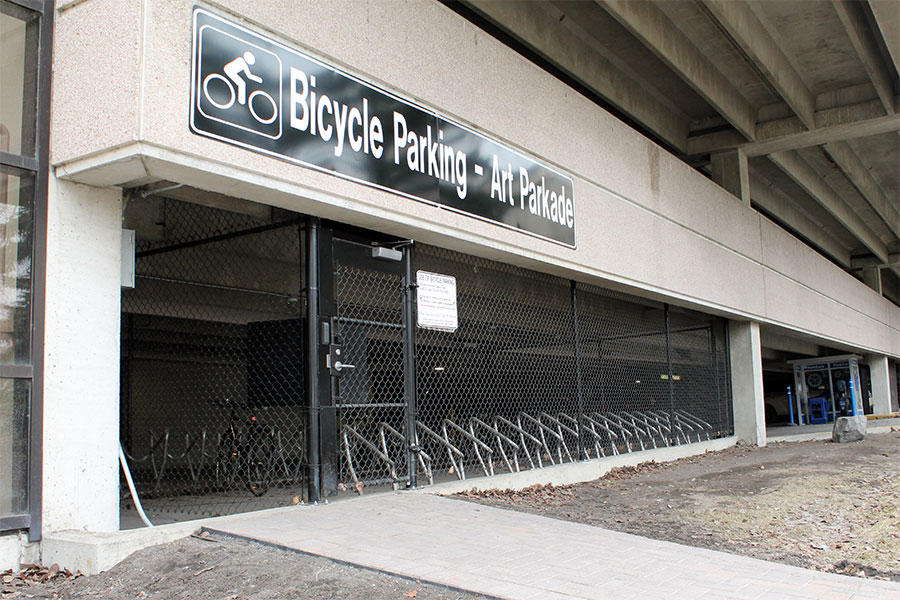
<point x="879" y="369"/>
<point x="871" y="276"/>
<point x="732" y="171"/>
<point x="80" y="461"/>
<point x="747" y="382"/>
<point x="893" y="373"/>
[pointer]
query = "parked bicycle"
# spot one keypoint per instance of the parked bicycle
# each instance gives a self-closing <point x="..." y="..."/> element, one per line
<point x="248" y="451"/>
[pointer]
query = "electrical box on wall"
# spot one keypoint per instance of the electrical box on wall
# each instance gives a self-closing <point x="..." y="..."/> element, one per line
<point x="128" y="242"/>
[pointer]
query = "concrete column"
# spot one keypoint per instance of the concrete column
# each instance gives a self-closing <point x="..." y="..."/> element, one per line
<point x="879" y="370"/>
<point x="747" y="382"/>
<point x="731" y="171"/>
<point x="871" y="276"/>
<point x="81" y="372"/>
<point x="895" y="392"/>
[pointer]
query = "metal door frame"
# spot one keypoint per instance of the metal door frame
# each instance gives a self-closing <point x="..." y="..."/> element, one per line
<point x="324" y="438"/>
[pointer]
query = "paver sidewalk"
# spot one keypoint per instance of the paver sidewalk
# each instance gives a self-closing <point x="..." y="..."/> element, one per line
<point x="516" y="555"/>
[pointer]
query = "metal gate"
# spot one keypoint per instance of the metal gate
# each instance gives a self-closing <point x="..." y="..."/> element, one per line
<point x="366" y="360"/>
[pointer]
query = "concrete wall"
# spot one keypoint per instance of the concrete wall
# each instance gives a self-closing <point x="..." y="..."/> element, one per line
<point x="81" y="372"/>
<point x="10" y="546"/>
<point x="646" y="221"/>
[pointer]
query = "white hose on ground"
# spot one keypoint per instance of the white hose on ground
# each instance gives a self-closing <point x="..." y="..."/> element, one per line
<point x="134" y="496"/>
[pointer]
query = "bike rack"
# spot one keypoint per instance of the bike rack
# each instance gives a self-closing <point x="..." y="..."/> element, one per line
<point x="345" y="430"/>
<point x="703" y="425"/>
<point x="458" y="469"/>
<point x="542" y="429"/>
<point x="500" y="439"/>
<point x="545" y="437"/>
<point x="477" y="445"/>
<point x="423" y="458"/>
<point x="523" y="434"/>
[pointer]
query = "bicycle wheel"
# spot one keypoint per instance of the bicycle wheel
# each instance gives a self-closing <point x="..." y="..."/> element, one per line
<point x="270" y="108"/>
<point x="210" y="97"/>
<point x="227" y="461"/>
<point x="259" y="463"/>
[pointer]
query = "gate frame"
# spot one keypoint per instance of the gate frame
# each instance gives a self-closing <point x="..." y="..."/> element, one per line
<point x="323" y="477"/>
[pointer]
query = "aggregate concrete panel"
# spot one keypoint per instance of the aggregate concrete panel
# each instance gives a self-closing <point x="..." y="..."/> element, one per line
<point x="699" y="204"/>
<point x="626" y="240"/>
<point x="790" y="257"/>
<point x="97" y="77"/>
<point x="10" y="549"/>
<point x="81" y="372"/>
<point x="810" y="311"/>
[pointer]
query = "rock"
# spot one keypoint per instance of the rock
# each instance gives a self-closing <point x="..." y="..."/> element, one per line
<point x="849" y="429"/>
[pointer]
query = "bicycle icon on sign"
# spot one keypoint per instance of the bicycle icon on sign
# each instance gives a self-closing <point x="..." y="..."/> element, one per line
<point x="237" y="84"/>
<point x="234" y="70"/>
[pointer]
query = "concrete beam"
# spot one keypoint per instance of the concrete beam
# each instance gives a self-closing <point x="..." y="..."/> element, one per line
<point x="854" y="23"/>
<point x="731" y="170"/>
<point x="663" y="38"/>
<point x="870" y="261"/>
<point x="785" y="343"/>
<point x="844" y="156"/>
<point x="558" y="41"/>
<point x="887" y="16"/>
<point x="766" y="130"/>
<point x="805" y="176"/>
<point x="824" y="135"/>
<point x="774" y="202"/>
<point x="738" y="20"/>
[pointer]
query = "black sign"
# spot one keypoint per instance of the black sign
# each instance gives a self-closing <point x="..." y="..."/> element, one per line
<point x="252" y="91"/>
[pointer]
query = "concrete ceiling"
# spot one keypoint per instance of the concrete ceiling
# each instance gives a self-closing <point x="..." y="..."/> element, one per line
<point x="807" y="89"/>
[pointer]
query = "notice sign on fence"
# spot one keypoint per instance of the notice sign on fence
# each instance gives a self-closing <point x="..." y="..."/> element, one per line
<point x="436" y="301"/>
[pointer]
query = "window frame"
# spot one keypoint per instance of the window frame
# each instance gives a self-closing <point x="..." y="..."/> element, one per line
<point x="37" y="164"/>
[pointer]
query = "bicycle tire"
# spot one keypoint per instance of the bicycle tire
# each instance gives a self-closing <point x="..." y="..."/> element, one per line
<point x="227" y="462"/>
<point x="259" y="464"/>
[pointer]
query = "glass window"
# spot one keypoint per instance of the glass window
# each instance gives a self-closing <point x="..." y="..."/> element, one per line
<point x="16" y="201"/>
<point x="19" y="58"/>
<point x="14" y="402"/>
<point x="18" y="78"/>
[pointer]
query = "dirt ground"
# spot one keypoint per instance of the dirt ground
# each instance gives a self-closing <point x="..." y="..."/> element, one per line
<point x="223" y="568"/>
<point x="819" y="505"/>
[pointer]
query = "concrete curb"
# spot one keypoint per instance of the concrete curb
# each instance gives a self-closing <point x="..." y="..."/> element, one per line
<point x="826" y="435"/>
<point x="578" y="472"/>
<point x="92" y="552"/>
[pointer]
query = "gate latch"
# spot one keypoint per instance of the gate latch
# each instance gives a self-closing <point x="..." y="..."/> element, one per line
<point x="333" y="360"/>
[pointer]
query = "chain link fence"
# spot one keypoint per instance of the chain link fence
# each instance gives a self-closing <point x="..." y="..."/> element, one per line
<point x="212" y="400"/>
<point x="499" y="392"/>
<point x="540" y="370"/>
